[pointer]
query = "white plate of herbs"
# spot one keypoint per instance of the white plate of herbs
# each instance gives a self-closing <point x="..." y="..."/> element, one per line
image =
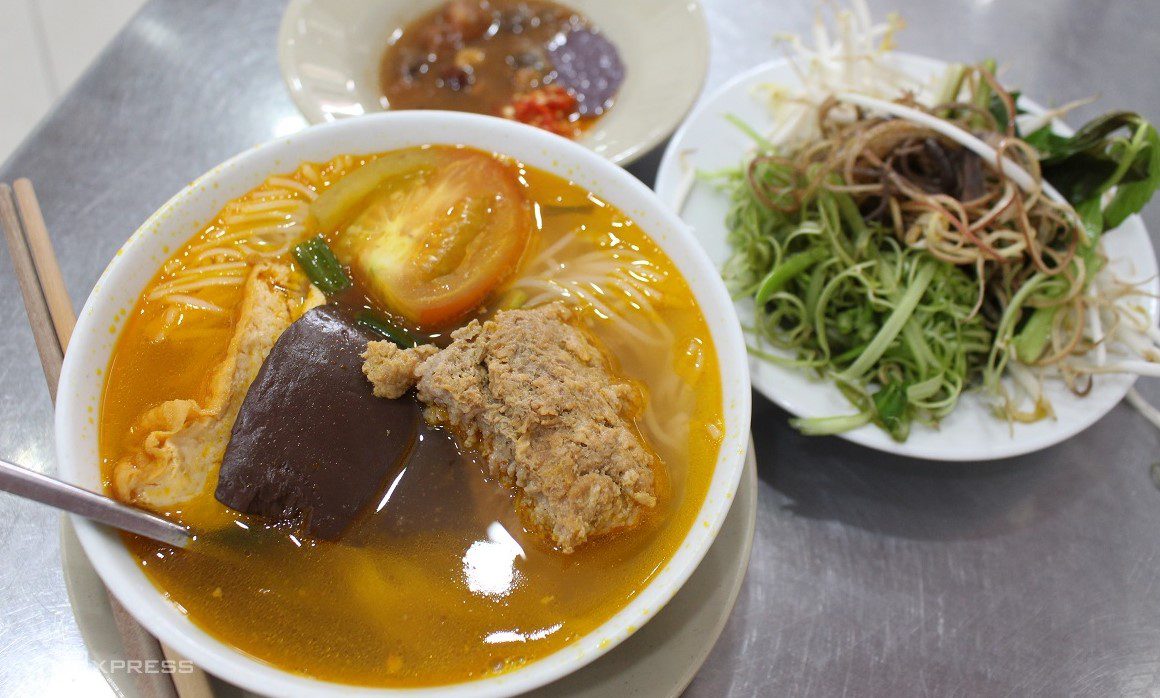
<point x="926" y="263"/>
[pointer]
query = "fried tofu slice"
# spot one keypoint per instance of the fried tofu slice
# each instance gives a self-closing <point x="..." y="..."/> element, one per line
<point x="183" y="440"/>
<point x="535" y="394"/>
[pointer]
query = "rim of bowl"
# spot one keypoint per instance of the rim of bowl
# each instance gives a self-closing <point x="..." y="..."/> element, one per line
<point x="288" y="69"/>
<point x="122" y="574"/>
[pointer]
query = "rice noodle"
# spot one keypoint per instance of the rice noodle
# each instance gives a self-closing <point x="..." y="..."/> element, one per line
<point x="193" y="302"/>
<point x="293" y="185"/>
<point x="213" y="253"/>
<point x="617" y="285"/>
<point x="216" y="267"/>
<point x="307" y="170"/>
<point x="168" y="320"/>
<point x="264" y="224"/>
<point x="262" y="204"/>
<point x="264" y="216"/>
<point x="162" y="290"/>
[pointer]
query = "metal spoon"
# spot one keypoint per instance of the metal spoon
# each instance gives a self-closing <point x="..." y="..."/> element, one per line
<point x="29" y="484"/>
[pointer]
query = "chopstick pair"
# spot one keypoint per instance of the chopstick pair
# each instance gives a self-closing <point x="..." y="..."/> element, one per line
<point x="39" y="278"/>
<point x="51" y="316"/>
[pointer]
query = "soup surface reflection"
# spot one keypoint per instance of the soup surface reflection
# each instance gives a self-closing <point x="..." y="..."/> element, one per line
<point x="438" y="582"/>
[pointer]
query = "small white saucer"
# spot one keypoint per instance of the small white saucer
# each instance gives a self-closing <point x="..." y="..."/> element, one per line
<point x="329" y="53"/>
<point x="659" y="660"/>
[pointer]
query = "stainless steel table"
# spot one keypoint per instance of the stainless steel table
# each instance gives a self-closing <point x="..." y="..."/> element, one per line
<point x="871" y="575"/>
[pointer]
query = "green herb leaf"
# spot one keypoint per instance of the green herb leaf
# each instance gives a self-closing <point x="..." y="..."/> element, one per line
<point x="1132" y="196"/>
<point x="998" y="109"/>
<point x="1095" y="160"/>
<point x="890" y="404"/>
<point x="1091" y="136"/>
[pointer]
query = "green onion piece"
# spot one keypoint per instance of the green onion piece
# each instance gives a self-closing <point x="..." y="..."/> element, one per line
<point x="983" y="94"/>
<point x="849" y="355"/>
<point x="762" y="142"/>
<point x="381" y="325"/>
<point x="916" y="343"/>
<point x="925" y="389"/>
<point x="892" y="326"/>
<point x="952" y="85"/>
<point x="824" y="426"/>
<point x="997" y="358"/>
<point x="1032" y="339"/>
<point x="853" y="219"/>
<point x="813" y="293"/>
<point x="793" y="265"/>
<point x="321" y="266"/>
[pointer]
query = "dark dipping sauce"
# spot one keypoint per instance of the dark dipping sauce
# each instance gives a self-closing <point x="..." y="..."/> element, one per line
<point x="533" y="61"/>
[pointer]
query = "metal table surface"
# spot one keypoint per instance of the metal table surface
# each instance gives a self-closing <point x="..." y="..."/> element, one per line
<point x="871" y="574"/>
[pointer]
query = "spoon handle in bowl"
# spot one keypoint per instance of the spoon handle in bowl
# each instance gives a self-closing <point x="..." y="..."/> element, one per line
<point x="55" y="493"/>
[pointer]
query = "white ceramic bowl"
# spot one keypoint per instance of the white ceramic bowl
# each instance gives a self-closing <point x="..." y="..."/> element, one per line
<point x="329" y="53"/>
<point x="100" y="322"/>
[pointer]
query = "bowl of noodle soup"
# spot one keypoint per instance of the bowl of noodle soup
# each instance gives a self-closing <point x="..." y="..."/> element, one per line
<point x="252" y="207"/>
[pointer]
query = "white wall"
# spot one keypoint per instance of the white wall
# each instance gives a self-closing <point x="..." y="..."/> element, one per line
<point x="45" y="45"/>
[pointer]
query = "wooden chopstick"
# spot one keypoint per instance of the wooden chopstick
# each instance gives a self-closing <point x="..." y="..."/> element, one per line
<point x="44" y="259"/>
<point x="51" y="315"/>
<point x="47" y="344"/>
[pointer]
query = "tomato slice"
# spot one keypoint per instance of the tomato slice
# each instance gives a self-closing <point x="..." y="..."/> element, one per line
<point x="433" y="241"/>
